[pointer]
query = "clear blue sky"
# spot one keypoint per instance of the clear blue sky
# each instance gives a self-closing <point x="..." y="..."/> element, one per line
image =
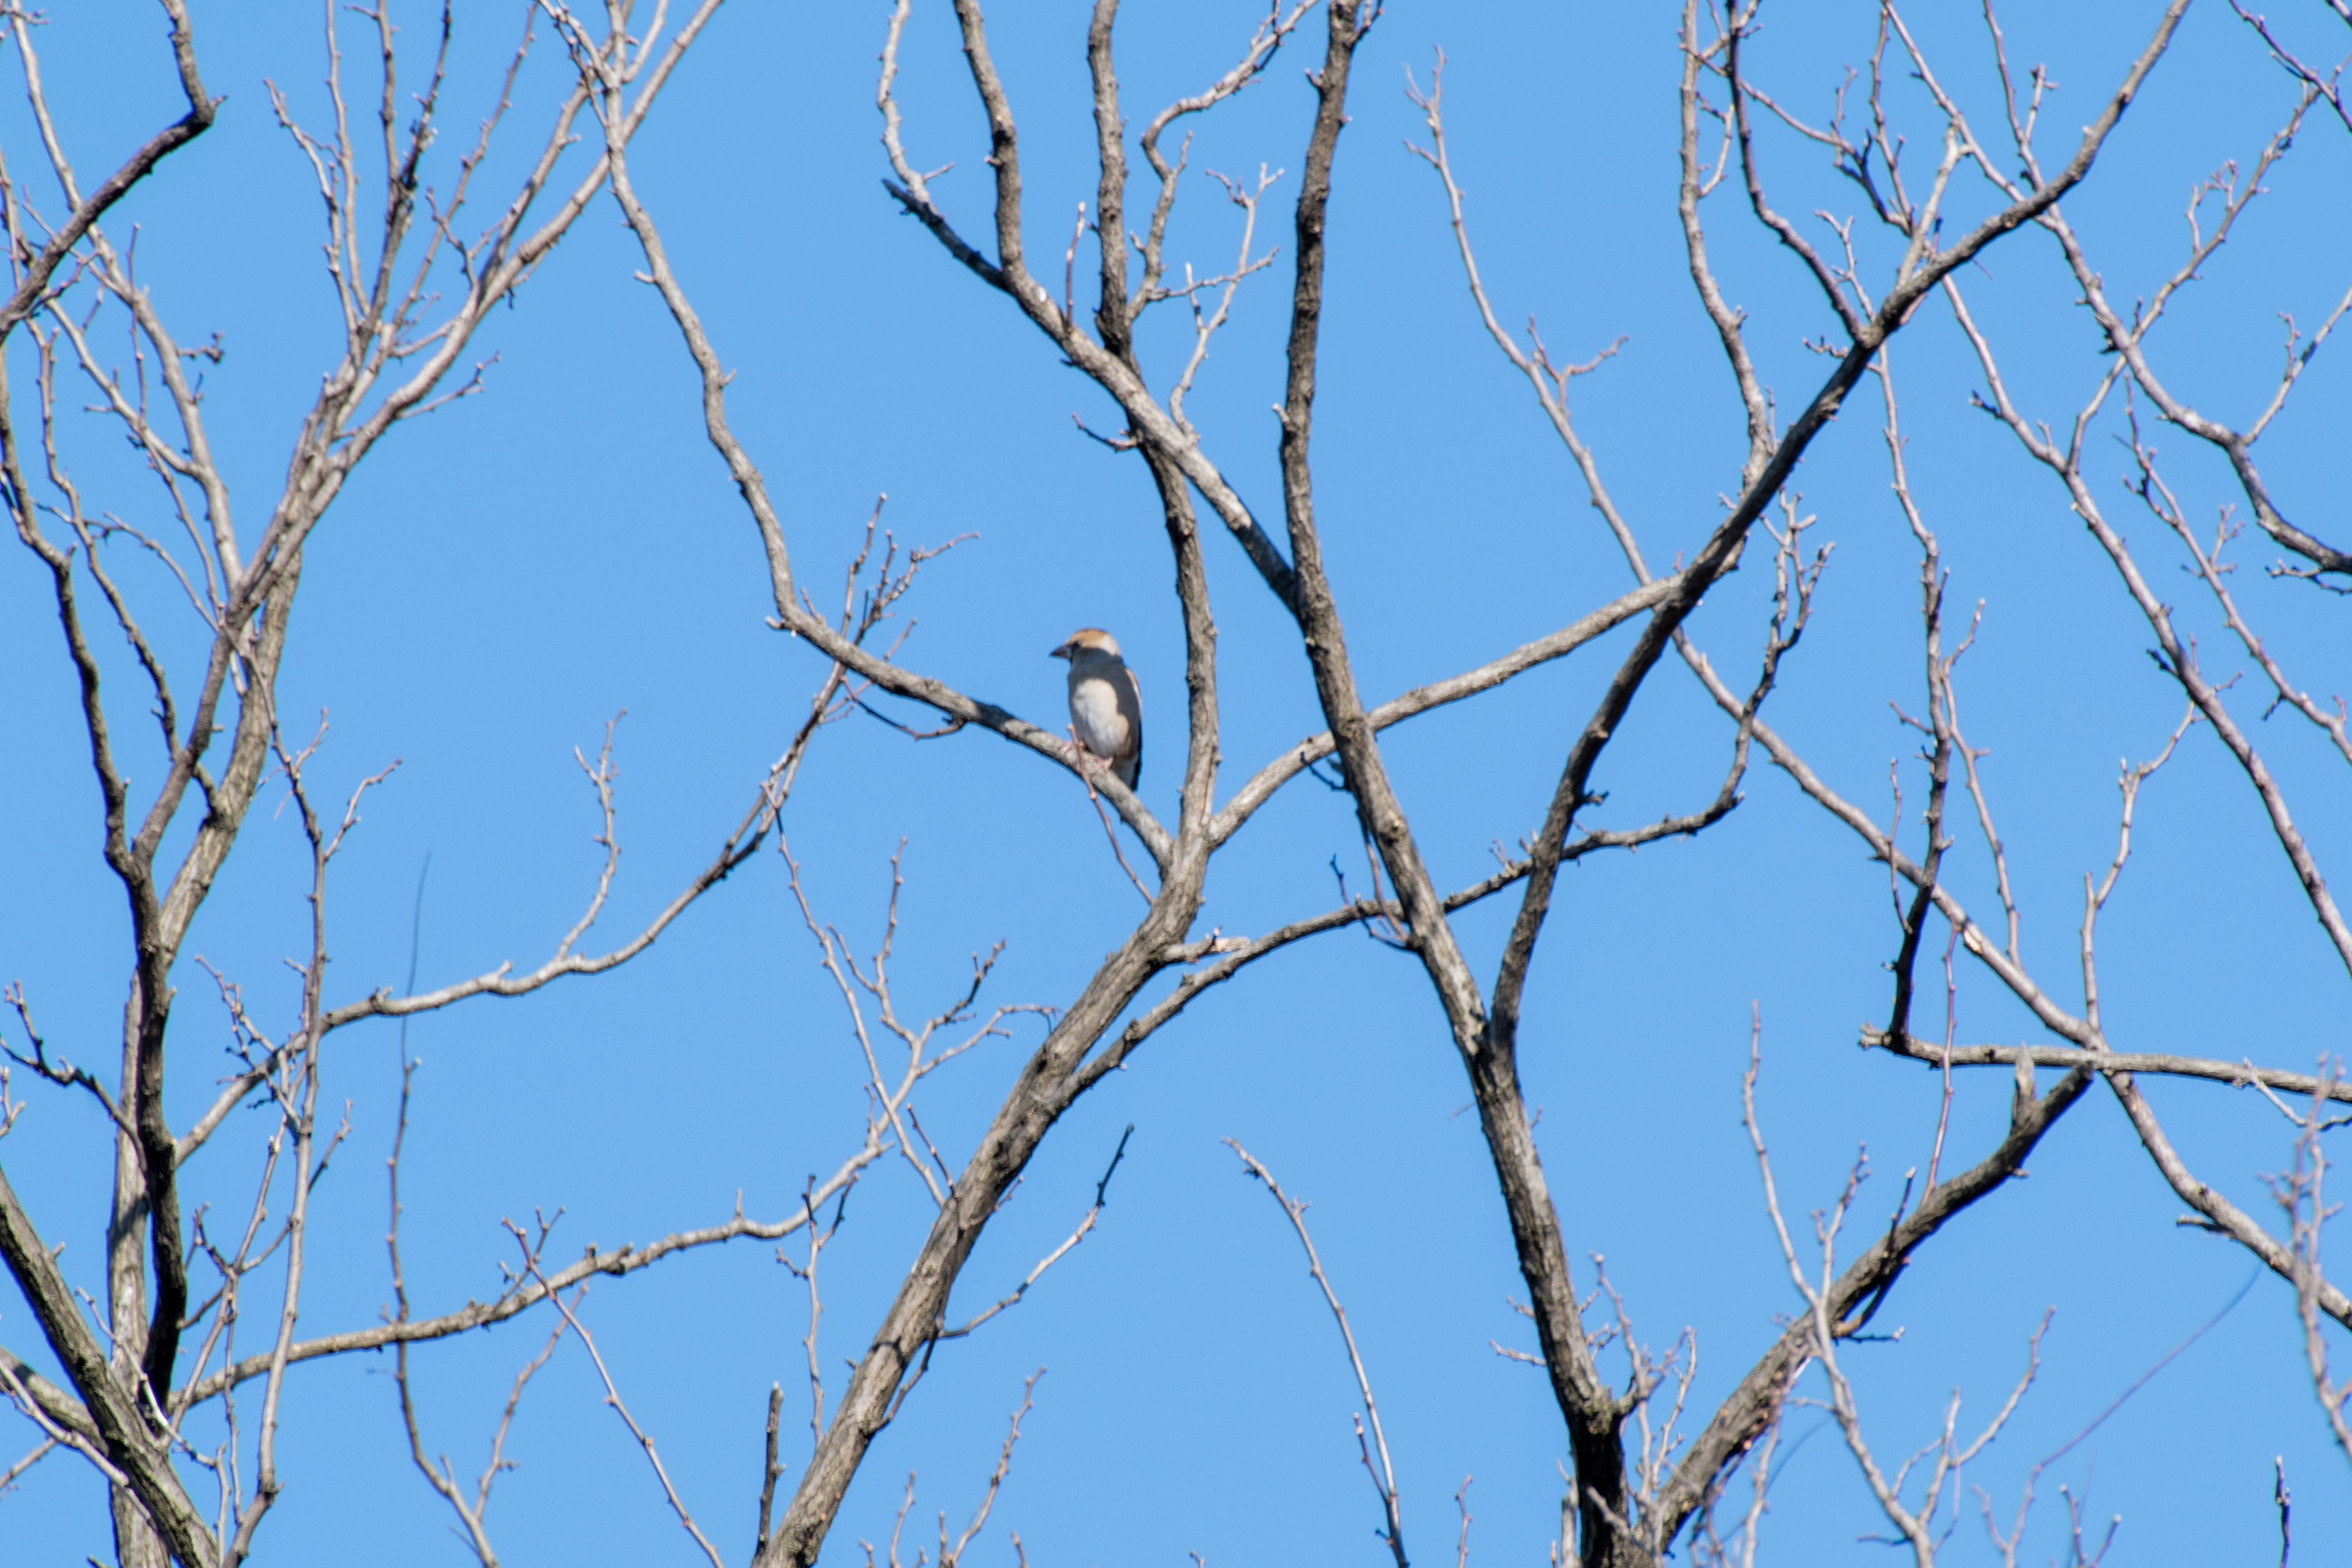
<point x="504" y="577"/>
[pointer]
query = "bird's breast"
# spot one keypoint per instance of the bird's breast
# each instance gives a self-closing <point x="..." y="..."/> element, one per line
<point x="1094" y="709"/>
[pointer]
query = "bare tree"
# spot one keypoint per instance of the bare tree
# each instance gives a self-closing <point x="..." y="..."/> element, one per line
<point x="1927" y="203"/>
<point x="414" y="276"/>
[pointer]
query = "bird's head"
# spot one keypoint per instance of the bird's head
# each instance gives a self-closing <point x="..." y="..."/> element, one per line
<point x="1087" y="640"/>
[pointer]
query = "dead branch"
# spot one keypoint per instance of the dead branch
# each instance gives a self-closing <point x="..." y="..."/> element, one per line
<point x="1383" y="1478"/>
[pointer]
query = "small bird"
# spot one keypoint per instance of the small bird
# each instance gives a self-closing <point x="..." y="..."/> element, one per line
<point x="1106" y="709"/>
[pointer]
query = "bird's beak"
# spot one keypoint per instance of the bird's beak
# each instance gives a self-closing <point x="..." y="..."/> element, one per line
<point x="1061" y="652"/>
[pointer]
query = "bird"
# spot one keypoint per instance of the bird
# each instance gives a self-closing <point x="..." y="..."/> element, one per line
<point x="1106" y="709"/>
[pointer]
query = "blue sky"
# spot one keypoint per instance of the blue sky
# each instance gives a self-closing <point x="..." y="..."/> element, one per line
<point x="505" y="576"/>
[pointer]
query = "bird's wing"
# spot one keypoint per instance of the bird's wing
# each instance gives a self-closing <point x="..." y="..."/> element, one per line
<point x="1130" y="709"/>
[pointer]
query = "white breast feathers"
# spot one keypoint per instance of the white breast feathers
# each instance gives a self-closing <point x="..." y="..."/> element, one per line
<point x="1107" y="711"/>
<point x="1094" y="709"/>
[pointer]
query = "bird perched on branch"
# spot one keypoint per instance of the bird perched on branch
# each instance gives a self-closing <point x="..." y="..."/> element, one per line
<point x="1106" y="709"/>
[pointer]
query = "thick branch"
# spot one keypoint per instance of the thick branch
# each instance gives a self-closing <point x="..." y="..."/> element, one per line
<point x="179" y="133"/>
<point x="1487" y="1046"/>
<point x="917" y="1315"/>
<point x="122" y="1426"/>
<point x="1755" y="1405"/>
<point x="56" y="1404"/>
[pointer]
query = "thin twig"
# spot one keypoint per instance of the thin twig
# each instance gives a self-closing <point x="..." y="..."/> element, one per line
<point x="1383" y="1477"/>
